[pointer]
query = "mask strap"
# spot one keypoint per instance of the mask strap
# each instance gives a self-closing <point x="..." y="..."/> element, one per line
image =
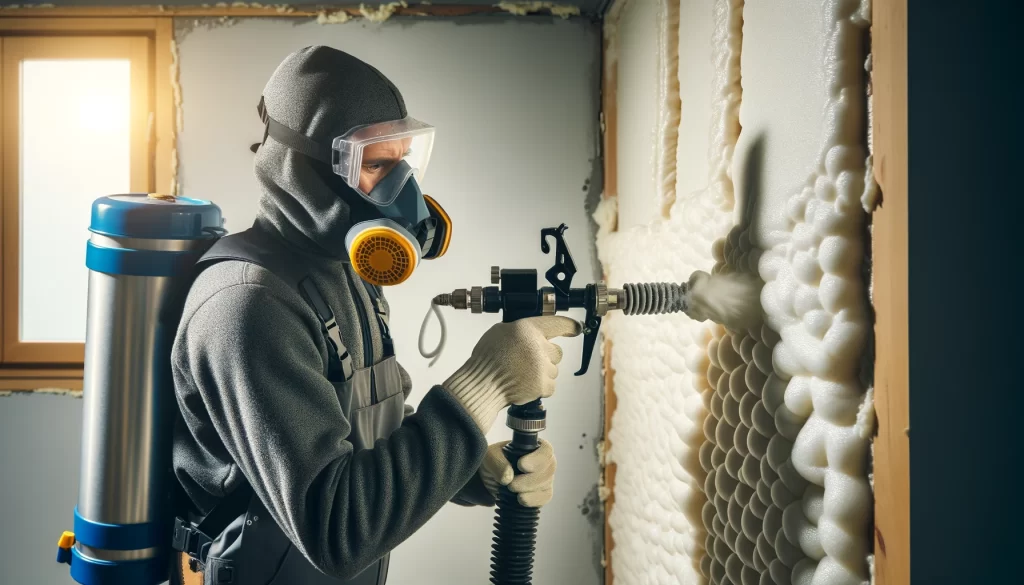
<point x="294" y="140"/>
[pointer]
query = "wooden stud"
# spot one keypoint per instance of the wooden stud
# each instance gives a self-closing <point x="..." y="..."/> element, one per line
<point x="250" y="10"/>
<point x="3" y="204"/>
<point x="609" y="123"/>
<point x="610" y="403"/>
<point x="164" y="109"/>
<point x="141" y="106"/>
<point x="35" y="384"/>
<point x="890" y="268"/>
<point x="29" y="379"/>
<point x="609" y="118"/>
<point x="49" y="24"/>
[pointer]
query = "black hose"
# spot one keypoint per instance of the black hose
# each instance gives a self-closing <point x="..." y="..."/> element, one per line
<point x="515" y="525"/>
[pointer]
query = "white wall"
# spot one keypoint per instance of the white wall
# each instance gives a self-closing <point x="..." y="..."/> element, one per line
<point x="515" y="106"/>
<point x="637" y="92"/>
<point x="39" y="461"/>
<point x="742" y="455"/>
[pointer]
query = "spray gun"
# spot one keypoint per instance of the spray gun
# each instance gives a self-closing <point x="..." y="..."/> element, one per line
<point x="516" y="295"/>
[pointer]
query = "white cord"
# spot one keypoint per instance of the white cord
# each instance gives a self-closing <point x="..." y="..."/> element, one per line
<point x="436" y="353"/>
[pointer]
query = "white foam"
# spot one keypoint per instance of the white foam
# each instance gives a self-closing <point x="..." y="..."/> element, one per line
<point x="742" y="456"/>
<point x="815" y="298"/>
<point x="657" y="428"/>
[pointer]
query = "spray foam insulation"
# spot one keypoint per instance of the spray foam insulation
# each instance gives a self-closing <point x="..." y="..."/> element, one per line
<point x="743" y="456"/>
<point x="525" y="8"/>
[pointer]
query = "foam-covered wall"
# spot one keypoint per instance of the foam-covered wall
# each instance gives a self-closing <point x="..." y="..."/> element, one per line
<point x="742" y="456"/>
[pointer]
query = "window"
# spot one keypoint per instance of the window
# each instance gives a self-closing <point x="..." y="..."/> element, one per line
<point x="78" y="122"/>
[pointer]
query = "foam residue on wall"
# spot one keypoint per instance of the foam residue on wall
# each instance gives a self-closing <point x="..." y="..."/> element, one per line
<point x="282" y="8"/>
<point x="525" y="8"/>
<point x="55" y="391"/>
<point x="178" y="117"/>
<point x="381" y="12"/>
<point x="332" y="16"/>
<point x="660" y="362"/>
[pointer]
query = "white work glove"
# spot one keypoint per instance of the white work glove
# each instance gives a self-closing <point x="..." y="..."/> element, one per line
<point x="534" y="487"/>
<point x="513" y="363"/>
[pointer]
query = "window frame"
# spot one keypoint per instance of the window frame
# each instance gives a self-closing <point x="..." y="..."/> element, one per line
<point x="35" y="365"/>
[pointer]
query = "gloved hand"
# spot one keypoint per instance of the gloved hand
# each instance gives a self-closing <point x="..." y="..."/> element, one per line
<point x="534" y="487"/>
<point x="513" y="363"/>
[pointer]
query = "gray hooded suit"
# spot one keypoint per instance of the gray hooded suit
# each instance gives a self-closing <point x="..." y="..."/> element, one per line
<point x="250" y="363"/>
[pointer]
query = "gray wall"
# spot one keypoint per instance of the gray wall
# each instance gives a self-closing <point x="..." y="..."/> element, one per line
<point x="515" y="102"/>
<point x="39" y="456"/>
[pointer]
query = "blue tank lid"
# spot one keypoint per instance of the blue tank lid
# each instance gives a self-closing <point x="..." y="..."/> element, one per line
<point x="139" y="215"/>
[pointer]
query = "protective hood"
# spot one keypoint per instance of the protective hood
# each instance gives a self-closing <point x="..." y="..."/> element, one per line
<point x="323" y="93"/>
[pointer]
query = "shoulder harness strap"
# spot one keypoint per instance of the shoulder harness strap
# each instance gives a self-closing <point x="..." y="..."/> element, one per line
<point x="382" y="319"/>
<point x="258" y="247"/>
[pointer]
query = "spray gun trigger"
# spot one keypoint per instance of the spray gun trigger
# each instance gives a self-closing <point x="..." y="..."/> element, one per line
<point x="591" y="328"/>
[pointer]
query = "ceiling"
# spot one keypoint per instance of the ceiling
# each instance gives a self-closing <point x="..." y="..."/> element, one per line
<point x="587" y="7"/>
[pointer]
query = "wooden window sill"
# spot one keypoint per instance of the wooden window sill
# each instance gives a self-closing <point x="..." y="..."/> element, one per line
<point x="20" y="379"/>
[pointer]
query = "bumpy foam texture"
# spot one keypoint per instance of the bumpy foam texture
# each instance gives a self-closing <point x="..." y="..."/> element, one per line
<point x="815" y="297"/>
<point x="659" y="362"/>
<point x="742" y="455"/>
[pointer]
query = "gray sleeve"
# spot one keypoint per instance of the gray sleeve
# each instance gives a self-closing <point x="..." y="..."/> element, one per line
<point x="254" y="358"/>
<point x="474" y="493"/>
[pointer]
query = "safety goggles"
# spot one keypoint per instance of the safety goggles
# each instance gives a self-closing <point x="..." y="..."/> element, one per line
<point x="366" y="154"/>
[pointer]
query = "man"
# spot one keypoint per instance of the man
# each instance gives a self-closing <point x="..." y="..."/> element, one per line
<point x="294" y="436"/>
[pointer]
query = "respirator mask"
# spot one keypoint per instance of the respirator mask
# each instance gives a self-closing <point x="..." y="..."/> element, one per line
<point x="383" y="163"/>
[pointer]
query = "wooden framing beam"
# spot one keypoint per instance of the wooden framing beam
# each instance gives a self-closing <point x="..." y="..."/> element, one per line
<point x="609" y="128"/>
<point x="248" y="9"/>
<point x="610" y="402"/>
<point x="890" y="268"/>
<point x="165" y="110"/>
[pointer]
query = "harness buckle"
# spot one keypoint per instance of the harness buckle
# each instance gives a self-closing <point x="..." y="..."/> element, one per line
<point x="190" y="540"/>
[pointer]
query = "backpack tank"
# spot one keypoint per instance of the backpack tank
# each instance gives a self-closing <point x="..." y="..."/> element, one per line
<point x="140" y="255"/>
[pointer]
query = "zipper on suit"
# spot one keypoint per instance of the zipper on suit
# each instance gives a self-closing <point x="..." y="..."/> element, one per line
<point x="364" y="324"/>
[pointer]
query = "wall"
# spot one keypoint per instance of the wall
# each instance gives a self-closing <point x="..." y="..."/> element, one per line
<point x="516" y="151"/>
<point x="39" y="456"/>
<point x="742" y="456"/>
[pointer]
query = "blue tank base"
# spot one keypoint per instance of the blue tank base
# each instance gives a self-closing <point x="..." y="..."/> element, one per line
<point x="89" y="571"/>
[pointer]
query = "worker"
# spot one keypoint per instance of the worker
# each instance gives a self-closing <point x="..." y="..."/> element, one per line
<point x="294" y="429"/>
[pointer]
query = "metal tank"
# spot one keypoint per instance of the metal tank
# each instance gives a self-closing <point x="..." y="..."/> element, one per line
<point x="140" y="256"/>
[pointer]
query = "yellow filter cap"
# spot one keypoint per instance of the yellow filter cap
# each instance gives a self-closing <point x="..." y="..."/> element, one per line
<point x="67" y="540"/>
